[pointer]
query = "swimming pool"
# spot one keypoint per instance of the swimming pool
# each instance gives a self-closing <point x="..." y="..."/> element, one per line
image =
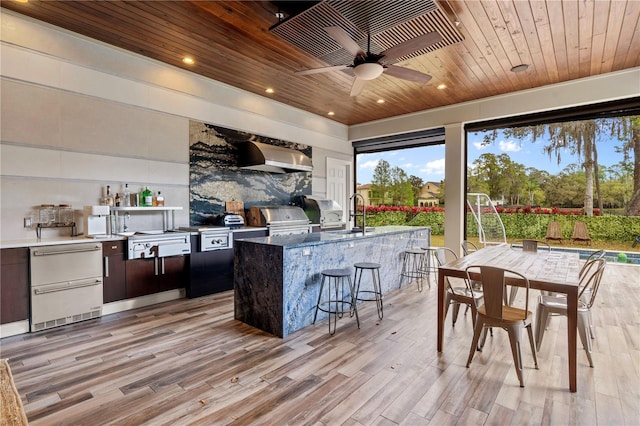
<point x="611" y="256"/>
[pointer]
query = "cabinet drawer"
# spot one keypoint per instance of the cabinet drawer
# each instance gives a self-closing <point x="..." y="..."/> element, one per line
<point x="112" y="247"/>
<point x="13" y="256"/>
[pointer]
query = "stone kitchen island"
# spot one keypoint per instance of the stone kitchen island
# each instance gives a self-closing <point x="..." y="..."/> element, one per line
<point x="277" y="279"/>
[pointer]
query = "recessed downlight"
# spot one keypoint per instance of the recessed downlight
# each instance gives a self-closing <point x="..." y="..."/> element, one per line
<point x="380" y="101"/>
<point x="188" y="60"/>
<point x="269" y="90"/>
<point x="520" y="68"/>
<point x="331" y="113"/>
<point x="442" y="86"/>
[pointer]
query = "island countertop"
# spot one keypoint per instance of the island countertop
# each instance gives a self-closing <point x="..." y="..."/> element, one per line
<point x="319" y="238"/>
<point x="277" y="279"/>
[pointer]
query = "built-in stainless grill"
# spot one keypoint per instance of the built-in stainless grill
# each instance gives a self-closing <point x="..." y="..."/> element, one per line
<point x="280" y="220"/>
<point x="213" y="238"/>
<point x="161" y="244"/>
<point x="326" y="213"/>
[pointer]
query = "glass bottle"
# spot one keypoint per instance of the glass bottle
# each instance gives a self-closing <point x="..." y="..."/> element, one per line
<point x="147" y="197"/>
<point x="108" y="199"/>
<point x="159" y="199"/>
<point x="126" y="196"/>
<point x="117" y="199"/>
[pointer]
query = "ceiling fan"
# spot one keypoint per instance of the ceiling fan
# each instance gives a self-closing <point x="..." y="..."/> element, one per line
<point x="368" y="66"/>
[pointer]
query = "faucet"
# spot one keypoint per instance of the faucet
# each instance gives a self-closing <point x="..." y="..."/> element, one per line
<point x="355" y="214"/>
<point x="125" y="226"/>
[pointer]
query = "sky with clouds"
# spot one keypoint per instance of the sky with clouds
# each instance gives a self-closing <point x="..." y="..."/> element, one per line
<point x="428" y="162"/>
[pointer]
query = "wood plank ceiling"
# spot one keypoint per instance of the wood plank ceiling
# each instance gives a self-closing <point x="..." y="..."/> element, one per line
<point x="231" y="42"/>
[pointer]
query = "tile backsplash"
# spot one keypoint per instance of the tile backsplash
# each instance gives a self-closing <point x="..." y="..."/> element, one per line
<point x="215" y="178"/>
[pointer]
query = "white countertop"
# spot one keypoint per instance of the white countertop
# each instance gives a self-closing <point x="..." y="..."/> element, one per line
<point x="35" y="242"/>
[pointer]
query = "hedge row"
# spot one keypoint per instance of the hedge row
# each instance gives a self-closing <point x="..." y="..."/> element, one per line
<point x="522" y="225"/>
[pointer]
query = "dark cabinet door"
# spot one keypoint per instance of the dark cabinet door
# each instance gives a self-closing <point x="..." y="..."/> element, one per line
<point x="114" y="285"/>
<point x="172" y="273"/>
<point x="148" y="276"/>
<point x="14" y="285"/>
<point x="141" y="277"/>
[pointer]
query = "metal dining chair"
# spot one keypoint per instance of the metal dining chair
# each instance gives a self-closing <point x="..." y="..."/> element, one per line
<point x="468" y="247"/>
<point x="529" y="246"/>
<point x="555" y="305"/>
<point x="496" y="313"/>
<point x="457" y="296"/>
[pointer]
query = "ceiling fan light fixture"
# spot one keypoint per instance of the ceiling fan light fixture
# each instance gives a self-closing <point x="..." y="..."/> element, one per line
<point x="368" y="70"/>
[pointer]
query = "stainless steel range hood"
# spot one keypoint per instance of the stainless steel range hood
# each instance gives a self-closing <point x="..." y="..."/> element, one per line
<point x="271" y="158"/>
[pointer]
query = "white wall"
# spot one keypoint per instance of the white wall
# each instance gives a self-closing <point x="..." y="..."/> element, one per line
<point x="77" y="115"/>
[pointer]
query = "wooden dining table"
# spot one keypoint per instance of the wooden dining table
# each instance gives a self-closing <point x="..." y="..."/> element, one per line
<point x="556" y="271"/>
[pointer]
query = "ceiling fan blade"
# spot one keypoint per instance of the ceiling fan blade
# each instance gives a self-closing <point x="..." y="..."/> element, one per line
<point x="323" y="69"/>
<point x="344" y="40"/>
<point x="406" y="74"/>
<point x="358" y="85"/>
<point x="410" y="46"/>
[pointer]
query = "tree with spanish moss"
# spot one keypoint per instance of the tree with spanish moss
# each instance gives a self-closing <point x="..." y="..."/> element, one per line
<point x="581" y="138"/>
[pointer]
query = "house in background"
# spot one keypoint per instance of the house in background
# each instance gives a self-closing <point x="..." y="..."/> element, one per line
<point x="365" y="191"/>
<point x="429" y="195"/>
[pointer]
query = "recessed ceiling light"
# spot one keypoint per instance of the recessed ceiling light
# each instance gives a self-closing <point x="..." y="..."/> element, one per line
<point x="331" y="113"/>
<point x="442" y="86"/>
<point x="380" y="101"/>
<point x="520" y="68"/>
<point x="22" y="1"/>
<point x="187" y="60"/>
<point x="269" y="90"/>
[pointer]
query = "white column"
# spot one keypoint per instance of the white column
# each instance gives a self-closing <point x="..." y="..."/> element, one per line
<point x="454" y="177"/>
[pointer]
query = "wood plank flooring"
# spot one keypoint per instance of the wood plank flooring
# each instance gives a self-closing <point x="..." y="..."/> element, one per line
<point x="189" y="362"/>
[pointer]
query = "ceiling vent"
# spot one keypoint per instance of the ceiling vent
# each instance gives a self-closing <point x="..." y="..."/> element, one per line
<point x="387" y="25"/>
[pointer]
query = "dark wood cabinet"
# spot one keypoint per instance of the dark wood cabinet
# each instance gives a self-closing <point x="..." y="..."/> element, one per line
<point x="172" y="272"/>
<point x="141" y="277"/>
<point x="212" y="271"/>
<point x="14" y="285"/>
<point x="148" y="276"/>
<point x="114" y="285"/>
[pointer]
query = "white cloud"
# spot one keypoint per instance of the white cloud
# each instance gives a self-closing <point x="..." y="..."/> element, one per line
<point x="371" y="164"/>
<point x="479" y="146"/>
<point x="408" y="166"/>
<point x="509" y="146"/>
<point x="435" y="167"/>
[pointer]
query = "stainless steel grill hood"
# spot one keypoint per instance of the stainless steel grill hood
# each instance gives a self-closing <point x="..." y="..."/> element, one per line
<point x="271" y="158"/>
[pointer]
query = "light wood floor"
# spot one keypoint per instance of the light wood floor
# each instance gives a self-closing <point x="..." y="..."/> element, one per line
<point x="190" y="362"/>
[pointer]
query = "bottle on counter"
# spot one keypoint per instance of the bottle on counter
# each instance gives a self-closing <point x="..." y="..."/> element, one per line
<point x="158" y="200"/>
<point x="117" y="200"/>
<point x="108" y="199"/>
<point x="146" y="200"/>
<point x="126" y="197"/>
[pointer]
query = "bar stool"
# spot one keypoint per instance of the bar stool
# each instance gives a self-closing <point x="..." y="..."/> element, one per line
<point x="336" y="289"/>
<point x="375" y="294"/>
<point x="412" y="265"/>
<point x="430" y="263"/>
